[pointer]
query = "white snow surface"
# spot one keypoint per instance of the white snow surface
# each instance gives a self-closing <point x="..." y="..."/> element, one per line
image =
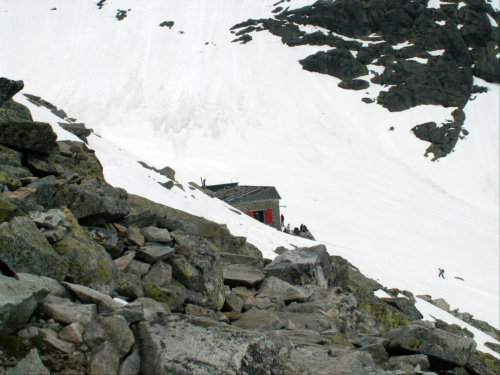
<point x="249" y="113"/>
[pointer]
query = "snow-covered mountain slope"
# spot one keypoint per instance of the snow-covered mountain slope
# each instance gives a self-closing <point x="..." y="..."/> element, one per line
<point x="188" y="98"/>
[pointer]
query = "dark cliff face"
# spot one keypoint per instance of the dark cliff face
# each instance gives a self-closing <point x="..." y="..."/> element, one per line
<point x="415" y="73"/>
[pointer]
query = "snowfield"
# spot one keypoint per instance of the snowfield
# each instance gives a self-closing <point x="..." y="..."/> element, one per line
<point x="230" y="112"/>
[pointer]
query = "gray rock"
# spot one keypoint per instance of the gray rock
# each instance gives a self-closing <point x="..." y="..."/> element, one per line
<point x="233" y="302"/>
<point x="50" y="337"/>
<point x="9" y="157"/>
<point x="203" y="272"/>
<point x="131" y="365"/>
<point x="67" y="312"/>
<point x="305" y="337"/>
<point x="241" y="274"/>
<point x="258" y="320"/>
<point x="153" y="254"/>
<point x="50" y="219"/>
<point x="31" y="364"/>
<point x="377" y="352"/>
<point x="9" y="88"/>
<point x="229" y="258"/>
<point x="399" y="362"/>
<point x="123" y="262"/>
<point x="23" y="248"/>
<point x="160" y="274"/>
<point x="280" y="290"/>
<point x="47" y="180"/>
<point x="87" y="295"/>
<point x="167" y="171"/>
<point x="441" y="303"/>
<point x="134" y="236"/>
<point x="72" y="333"/>
<point x="150" y="307"/>
<point x="129" y="285"/>
<point x="11" y="176"/>
<point x="404" y="305"/>
<point x="23" y="134"/>
<point x="110" y="340"/>
<point x="18" y="300"/>
<point x="156" y="234"/>
<point x="90" y="206"/>
<point x="174" y="296"/>
<point x="137" y="268"/>
<point x="132" y="312"/>
<point x="55" y="288"/>
<point x="303" y="266"/>
<point x="281" y="342"/>
<point x="200" y="346"/>
<point x="445" y="350"/>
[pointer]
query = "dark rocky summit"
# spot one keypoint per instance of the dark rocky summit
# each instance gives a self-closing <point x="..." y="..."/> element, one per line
<point x="372" y="32"/>
<point x="94" y="280"/>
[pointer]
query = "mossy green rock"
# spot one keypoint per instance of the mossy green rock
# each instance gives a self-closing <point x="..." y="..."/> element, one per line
<point x="203" y="271"/>
<point x="23" y="248"/>
<point x="10" y="175"/>
<point x="22" y="134"/>
<point x="8" y="210"/>
<point x="86" y="262"/>
<point x="9" y="157"/>
<point x="84" y="163"/>
<point x="173" y="296"/>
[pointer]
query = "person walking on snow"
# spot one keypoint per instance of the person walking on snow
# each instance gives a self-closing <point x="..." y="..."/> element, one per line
<point x="441" y="273"/>
<point x="282" y="221"/>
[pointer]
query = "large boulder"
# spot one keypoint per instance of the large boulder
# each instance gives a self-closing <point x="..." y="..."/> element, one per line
<point x="86" y="262"/>
<point x="445" y="350"/>
<point x="199" y="346"/>
<point x="21" y="134"/>
<point x="23" y="248"/>
<point x="10" y="157"/>
<point x="202" y="272"/>
<point x="18" y="300"/>
<point x="303" y="266"/>
<point x="90" y="205"/>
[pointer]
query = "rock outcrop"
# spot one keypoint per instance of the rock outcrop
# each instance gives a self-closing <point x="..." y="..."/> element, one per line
<point x="96" y="281"/>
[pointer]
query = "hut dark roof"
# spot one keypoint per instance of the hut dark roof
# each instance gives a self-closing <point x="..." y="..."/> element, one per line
<point x="232" y="193"/>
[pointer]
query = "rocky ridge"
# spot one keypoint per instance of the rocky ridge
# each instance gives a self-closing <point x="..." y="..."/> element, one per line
<point x="94" y="280"/>
<point x="429" y="56"/>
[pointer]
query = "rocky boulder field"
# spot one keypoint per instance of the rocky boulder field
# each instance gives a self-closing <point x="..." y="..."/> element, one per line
<point x="94" y="280"/>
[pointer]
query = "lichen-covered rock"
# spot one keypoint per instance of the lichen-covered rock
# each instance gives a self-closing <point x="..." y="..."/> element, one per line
<point x="21" y="134"/>
<point x="203" y="272"/>
<point x="303" y="266"/>
<point x="11" y="176"/>
<point x="23" y="248"/>
<point x="74" y="159"/>
<point x="86" y="262"/>
<point x="18" y="300"/>
<point x="8" y="210"/>
<point x="280" y="290"/>
<point x="90" y="206"/>
<point x="9" y="157"/>
<point x="156" y="234"/>
<point x="200" y="346"/>
<point x="84" y="294"/>
<point x="67" y="312"/>
<point x="445" y="350"/>
<point x="171" y="295"/>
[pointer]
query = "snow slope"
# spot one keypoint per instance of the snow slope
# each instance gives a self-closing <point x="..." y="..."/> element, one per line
<point x="224" y="111"/>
